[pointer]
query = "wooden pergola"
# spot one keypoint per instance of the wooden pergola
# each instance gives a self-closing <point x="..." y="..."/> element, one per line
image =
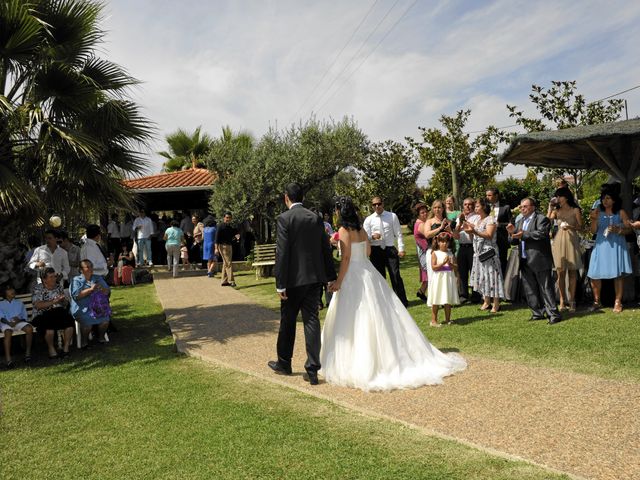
<point x="611" y="147"/>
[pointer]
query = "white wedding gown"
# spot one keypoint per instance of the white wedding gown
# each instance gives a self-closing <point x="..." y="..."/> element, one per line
<point x="370" y="341"/>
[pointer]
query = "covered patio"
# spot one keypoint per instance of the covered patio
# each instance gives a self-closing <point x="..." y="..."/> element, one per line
<point x="611" y="147"/>
<point x="185" y="190"/>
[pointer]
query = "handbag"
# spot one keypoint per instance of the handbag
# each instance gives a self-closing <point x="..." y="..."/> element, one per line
<point x="99" y="305"/>
<point x="487" y="255"/>
<point x="488" y="252"/>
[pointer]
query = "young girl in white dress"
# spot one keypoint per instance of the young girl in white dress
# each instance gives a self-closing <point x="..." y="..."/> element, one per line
<point x="369" y="339"/>
<point x="443" y="285"/>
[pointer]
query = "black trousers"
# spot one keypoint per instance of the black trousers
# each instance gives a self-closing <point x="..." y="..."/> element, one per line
<point x="539" y="290"/>
<point x="305" y="299"/>
<point x="465" y="263"/>
<point x="502" y="242"/>
<point x="387" y="259"/>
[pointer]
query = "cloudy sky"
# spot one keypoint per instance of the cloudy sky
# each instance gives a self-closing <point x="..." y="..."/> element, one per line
<point x="392" y="65"/>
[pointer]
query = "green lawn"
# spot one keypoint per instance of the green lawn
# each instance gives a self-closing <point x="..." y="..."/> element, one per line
<point x="137" y="410"/>
<point x="603" y="344"/>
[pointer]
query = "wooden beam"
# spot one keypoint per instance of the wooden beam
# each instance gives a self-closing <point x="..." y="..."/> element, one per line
<point x="635" y="161"/>
<point x="609" y="162"/>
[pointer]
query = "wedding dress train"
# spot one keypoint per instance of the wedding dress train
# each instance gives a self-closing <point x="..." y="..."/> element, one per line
<point x="369" y="339"/>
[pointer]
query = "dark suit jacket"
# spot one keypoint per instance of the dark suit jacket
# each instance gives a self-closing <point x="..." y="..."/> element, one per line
<point x="503" y="219"/>
<point x="303" y="252"/>
<point x="537" y="244"/>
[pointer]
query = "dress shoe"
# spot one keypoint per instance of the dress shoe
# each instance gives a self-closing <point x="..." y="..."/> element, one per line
<point x="312" y="378"/>
<point x="421" y="296"/>
<point x="553" y="321"/>
<point x="279" y="369"/>
<point x="533" y="318"/>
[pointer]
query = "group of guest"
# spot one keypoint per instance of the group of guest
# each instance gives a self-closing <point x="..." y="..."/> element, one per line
<point x="543" y="243"/>
<point x="86" y="302"/>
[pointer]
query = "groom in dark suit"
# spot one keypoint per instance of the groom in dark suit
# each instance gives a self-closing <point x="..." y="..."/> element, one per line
<point x="303" y="264"/>
<point x="531" y="237"/>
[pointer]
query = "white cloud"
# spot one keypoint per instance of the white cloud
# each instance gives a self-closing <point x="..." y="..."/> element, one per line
<point x="250" y="64"/>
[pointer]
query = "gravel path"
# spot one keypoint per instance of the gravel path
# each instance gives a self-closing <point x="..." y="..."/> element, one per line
<point x="579" y="424"/>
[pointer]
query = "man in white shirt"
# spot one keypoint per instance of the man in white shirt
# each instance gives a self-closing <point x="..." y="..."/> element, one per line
<point x="51" y="255"/>
<point x="383" y="230"/>
<point x="91" y="251"/>
<point x="126" y="232"/>
<point x="113" y="235"/>
<point x="143" y="228"/>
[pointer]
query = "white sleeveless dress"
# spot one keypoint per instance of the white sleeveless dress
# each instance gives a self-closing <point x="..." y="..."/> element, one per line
<point x="370" y="341"/>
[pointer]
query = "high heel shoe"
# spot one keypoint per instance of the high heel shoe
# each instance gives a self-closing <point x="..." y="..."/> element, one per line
<point x="617" y="307"/>
<point x="421" y="296"/>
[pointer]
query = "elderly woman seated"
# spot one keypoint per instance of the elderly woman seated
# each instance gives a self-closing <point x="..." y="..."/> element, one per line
<point x="90" y="301"/>
<point x="51" y="313"/>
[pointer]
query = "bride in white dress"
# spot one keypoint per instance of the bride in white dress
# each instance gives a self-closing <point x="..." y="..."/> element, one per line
<point x="369" y="339"/>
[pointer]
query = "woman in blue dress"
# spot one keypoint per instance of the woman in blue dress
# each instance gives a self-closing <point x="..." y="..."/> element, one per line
<point x="208" y="248"/>
<point x="610" y="258"/>
<point x="90" y="301"/>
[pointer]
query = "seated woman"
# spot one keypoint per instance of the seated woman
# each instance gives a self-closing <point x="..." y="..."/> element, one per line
<point x="51" y="313"/>
<point x="90" y="301"/>
<point x="13" y="317"/>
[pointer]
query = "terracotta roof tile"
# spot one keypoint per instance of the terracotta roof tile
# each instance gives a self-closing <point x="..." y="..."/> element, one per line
<point x="194" y="177"/>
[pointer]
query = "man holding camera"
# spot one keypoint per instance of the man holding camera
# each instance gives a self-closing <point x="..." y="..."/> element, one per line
<point x="383" y="230"/>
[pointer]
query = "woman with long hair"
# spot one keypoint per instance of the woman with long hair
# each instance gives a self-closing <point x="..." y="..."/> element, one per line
<point x="422" y="245"/>
<point x="610" y="258"/>
<point x="435" y="224"/>
<point x="369" y="340"/>
<point x="567" y="255"/>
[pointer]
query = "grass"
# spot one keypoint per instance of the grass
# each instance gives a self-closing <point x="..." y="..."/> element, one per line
<point x="602" y="344"/>
<point x="137" y="410"/>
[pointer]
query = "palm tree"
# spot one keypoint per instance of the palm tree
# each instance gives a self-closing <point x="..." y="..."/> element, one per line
<point x="186" y="150"/>
<point x="68" y="133"/>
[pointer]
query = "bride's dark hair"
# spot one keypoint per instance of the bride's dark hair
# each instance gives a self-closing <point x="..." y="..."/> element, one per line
<point x="348" y="214"/>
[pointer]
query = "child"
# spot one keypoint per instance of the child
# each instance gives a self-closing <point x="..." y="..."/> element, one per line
<point x="443" y="286"/>
<point x="184" y="255"/>
<point x="13" y="317"/>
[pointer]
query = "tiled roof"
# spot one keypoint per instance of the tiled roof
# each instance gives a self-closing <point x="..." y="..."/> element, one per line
<point x="184" y="179"/>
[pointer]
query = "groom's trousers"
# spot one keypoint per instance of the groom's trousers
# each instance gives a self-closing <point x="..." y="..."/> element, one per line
<point x="305" y="299"/>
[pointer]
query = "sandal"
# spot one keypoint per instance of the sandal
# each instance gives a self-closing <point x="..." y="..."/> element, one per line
<point x="617" y="307"/>
<point x="53" y="357"/>
<point x="572" y="307"/>
<point x="435" y="325"/>
<point x="596" y="306"/>
<point x="27" y="358"/>
<point x="10" y="365"/>
<point x="484" y="308"/>
<point x="495" y="310"/>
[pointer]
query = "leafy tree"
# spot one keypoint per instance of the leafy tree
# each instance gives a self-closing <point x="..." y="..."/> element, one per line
<point x="461" y="166"/>
<point x="186" y="150"/>
<point x="561" y="107"/>
<point x="68" y="134"/>
<point x="389" y="170"/>
<point x="252" y="180"/>
<point x="229" y="151"/>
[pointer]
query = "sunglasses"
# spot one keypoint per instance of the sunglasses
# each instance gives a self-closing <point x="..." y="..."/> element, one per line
<point x="376" y="204"/>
